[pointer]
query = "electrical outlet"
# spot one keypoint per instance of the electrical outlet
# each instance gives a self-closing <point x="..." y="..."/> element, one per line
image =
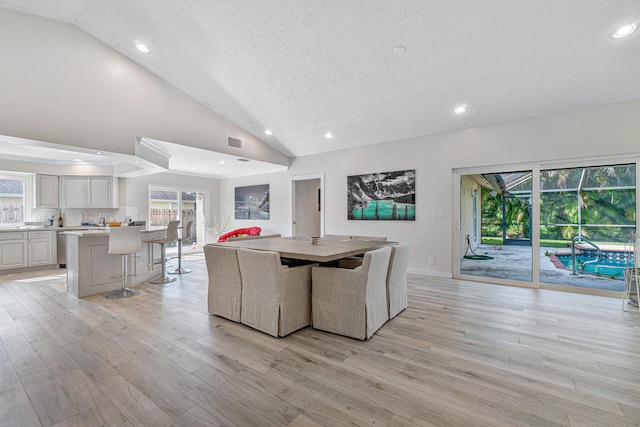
<point x="432" y="260"/>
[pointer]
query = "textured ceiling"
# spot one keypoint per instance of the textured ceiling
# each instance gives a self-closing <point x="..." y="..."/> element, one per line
<point x="302" y="68"/>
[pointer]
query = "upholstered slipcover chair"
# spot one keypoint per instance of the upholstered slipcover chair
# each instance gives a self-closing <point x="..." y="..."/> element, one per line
<point x="225" y="285"/>
<point x="352" y="302"/>
<point x="397" y="279"/>
<point x="276" y="299"/>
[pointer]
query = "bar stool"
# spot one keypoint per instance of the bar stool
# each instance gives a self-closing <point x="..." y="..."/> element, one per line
<point x="124" y="241"/>
<point x="172" y="236"/>
<point x="185" y="234"/>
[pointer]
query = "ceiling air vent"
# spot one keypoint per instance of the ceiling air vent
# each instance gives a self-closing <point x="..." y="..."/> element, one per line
<point x="242" y="160"/>
<point x="234" y="143"/>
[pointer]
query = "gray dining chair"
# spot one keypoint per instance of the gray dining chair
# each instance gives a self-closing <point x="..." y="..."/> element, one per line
<point x="352" y="302"/>
<point x="224" y="297"/>
<point x="397" y="279"/>
<point x="276" y="299"/>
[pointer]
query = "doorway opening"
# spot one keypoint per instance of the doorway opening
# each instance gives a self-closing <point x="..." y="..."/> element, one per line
<point x="307" y="205"/>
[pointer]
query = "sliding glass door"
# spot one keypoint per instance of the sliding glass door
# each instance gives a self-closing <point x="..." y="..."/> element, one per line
<point x="582" y="230"/>
<point x="499" y="205"/>
<point x="587" y="217"/>
<point x="186" y="205"/>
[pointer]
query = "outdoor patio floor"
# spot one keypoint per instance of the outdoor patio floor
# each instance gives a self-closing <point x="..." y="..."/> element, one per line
<point x="514" y="263"/>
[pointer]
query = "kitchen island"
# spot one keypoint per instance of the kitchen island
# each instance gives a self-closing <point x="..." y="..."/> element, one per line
<point x="91" y="270"/>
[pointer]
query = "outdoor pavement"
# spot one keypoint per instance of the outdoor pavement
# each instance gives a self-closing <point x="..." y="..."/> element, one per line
<point x="514" y="263"/>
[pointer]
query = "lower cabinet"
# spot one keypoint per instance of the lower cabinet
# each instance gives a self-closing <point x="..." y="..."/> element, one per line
<point x="41" y="248"/>
<point x="13" y="250"/>
<point x="26" y="249"/>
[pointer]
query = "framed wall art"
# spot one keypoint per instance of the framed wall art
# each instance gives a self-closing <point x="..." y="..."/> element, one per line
<point x="252" y="202"/>
<point x="382" y="196"/>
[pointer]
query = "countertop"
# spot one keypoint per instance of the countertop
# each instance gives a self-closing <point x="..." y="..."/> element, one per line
<point x="50" y="228"/>
<point x="89" y="229"/>
<point x="93" y="231"/>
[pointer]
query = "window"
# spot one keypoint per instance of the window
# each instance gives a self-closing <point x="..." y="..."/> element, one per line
<point x="15" y="198"/>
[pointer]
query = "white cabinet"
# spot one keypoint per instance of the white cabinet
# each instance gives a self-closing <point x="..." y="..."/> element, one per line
<point x="27" y="248"/>
<point x="47" y="192"/>
<point x="100" y="192"/>
<point x="13" y="250"/>
<point x="73" y="190"/>
<point x="41" y="248"/>
<point x="89" y="192"/>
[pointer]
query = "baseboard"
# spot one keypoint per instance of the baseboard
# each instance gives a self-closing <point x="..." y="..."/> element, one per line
<point x="421" y="272"/>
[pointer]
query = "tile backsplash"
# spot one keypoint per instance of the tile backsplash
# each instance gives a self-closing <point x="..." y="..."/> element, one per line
<point x="77" y="216"/>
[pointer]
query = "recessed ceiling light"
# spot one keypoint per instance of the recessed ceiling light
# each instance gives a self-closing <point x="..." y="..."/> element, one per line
<point x="222" y="162"/>
<point x="328" y="135"/>
<point x="399" y="50"/>
<point x="77" y="160"/>
<point x="460" y="109"/>
<point x="624" y="31"/>
<point x="142" y="47"/>
<point x="98" y="152"/>
<point x="268" y="132"/>
<point x="136" y="161"/>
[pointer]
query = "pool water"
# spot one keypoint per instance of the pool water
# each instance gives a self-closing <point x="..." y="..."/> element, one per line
<point x="611" y="264"/>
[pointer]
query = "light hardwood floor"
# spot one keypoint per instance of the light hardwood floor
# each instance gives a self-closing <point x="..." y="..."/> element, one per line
<point x="461" y="354"/>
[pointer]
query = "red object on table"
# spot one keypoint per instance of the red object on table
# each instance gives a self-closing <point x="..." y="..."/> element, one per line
<point x="250" y="231"/>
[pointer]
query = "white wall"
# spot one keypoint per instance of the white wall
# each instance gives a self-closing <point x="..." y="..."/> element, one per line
<point x="63" y="86"/>
<point x="594" y="133"/>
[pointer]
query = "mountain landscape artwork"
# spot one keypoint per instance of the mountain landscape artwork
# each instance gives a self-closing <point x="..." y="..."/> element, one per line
<point x="382" y="196"/>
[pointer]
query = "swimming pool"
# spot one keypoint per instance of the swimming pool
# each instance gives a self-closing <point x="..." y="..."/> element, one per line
<point x="611" y="264"/>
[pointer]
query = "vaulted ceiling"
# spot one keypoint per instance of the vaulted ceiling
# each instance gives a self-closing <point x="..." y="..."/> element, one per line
<point x="370" y="71"/>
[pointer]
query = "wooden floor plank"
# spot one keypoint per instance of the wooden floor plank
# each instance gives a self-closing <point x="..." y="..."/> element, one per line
<point x="462" y="353"/>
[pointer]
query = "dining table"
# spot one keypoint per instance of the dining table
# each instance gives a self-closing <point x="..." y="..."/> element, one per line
<point x="326" y="250"/>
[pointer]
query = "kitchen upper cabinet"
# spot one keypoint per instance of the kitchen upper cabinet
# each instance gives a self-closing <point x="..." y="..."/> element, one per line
<point x="73" y="190"/>
<point x="89" y="192"/>
<point x="47" y="192"/>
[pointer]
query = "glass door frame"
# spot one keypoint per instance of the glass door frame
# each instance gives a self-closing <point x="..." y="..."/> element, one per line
<point x="535" y="168"/>
<point x="200" y="232"/>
